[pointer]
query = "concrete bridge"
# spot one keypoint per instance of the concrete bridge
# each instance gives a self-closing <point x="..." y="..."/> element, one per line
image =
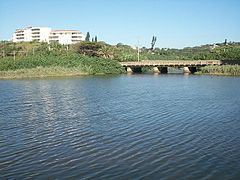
<point x="161" y="66"/>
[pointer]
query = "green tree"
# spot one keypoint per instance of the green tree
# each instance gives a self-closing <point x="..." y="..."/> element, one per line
<point x="87" y="37"/>
<point x="89" y="48"/>
<point x="95" y="38"/>
<point x="225" y="42"/>
<point x="154" y="39"/>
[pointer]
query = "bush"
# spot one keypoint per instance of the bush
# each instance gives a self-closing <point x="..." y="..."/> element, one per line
<point x="224" y="69"/>
<point x="97" y="65"/>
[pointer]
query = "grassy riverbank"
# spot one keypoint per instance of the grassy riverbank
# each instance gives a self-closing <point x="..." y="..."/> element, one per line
<point x="57" y="65"/>
<point x="41" y="72"/>
<point x="231" y="70"/>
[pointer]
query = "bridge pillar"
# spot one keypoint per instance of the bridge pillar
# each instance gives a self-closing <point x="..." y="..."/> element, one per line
<point x="186" y="70"/>
<point x="129" y="70"/>
<point x="156" y="70"/>
<point x="133" y="69"/>
<point x="189" y="70"/>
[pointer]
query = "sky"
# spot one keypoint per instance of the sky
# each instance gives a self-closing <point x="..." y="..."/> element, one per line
<point x="176" y="23"/>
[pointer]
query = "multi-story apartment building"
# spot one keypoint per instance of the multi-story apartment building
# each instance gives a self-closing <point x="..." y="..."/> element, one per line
<point x="40" y="34"/>
<point x="46" y="34"/>
<point x="66" y="36"/>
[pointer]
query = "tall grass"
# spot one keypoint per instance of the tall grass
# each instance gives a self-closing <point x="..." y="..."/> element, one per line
<point x="91" y="65"/>
<point x="221" y="70"/>
<point x="43" y="72"/>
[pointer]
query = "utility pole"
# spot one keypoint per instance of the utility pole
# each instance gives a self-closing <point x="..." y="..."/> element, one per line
<point x="67" y="49"/>
<point x="138" y="50"/>
<point x="14" y="55"/>
<point x="138" y="53"/>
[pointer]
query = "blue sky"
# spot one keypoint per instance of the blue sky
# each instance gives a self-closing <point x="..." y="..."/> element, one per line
<point x="176" y="23"/>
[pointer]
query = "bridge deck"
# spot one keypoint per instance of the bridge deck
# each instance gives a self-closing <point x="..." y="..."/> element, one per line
<point x="170" y="63"/>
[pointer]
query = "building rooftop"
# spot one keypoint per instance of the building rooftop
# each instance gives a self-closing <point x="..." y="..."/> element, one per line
<point x="65" y="31"/>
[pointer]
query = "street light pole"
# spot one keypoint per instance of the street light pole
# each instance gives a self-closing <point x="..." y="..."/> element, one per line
<point x="138" y="50"/>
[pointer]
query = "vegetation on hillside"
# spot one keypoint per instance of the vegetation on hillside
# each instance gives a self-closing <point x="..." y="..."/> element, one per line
<point x="121" y="52"/>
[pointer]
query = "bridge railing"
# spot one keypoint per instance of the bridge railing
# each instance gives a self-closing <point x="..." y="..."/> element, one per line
<point x="171" y="63"/>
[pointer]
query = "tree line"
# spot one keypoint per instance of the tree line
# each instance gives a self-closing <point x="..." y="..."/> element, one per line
<point x="122" y="52"/>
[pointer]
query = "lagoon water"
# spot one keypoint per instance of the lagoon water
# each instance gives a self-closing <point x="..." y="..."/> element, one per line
<point x="120" y="127"/>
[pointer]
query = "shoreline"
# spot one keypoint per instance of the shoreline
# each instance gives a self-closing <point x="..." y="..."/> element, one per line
<point x="42" y="72"/>
<point x="54" y="72"/>
<point x="217" y="74"/>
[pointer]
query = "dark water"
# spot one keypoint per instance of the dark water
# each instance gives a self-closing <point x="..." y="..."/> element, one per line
<point x="123" y="127"/>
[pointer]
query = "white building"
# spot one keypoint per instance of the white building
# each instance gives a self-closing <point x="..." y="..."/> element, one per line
<point x="46" y="34"/>
<point x="28" y="34"/>
<point x="66" y="36"/>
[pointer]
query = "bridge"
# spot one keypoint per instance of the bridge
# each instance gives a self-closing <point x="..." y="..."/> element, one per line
<point x="161" y="66"/>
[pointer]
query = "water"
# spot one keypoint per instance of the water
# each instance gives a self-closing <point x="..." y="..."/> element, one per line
<point x="121" y="127"/>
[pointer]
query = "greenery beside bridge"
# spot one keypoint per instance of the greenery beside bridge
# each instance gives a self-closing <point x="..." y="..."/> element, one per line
<point x="101" y="58"/>
<point x="232" y="70"/>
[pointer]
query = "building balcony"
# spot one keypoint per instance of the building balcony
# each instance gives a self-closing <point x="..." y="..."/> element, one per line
<point x="76" y="37"/>
<point x="53" y="41"/>
<point x="20" y="31"/>
<point x="53" y="37"/>
<point x="37" y="29"/>
<point x="75" y="40"/>
<point x="75" y="33"/>
<point x="34" y="37"/>
<point x="35" y="32"/>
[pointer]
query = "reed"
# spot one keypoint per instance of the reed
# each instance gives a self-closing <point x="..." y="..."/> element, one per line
<point x="221" y="70"/>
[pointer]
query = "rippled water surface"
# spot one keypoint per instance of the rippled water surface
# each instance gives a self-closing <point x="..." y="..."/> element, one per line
<point x="121" y="127"/>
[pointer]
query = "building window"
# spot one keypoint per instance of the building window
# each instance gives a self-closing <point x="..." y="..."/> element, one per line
<point x="19" y="32"/>
<point x="76" y="36"/>
<point x="53" y="37"/>
<point x="35" y="36"/>
<point x="36" y="29"/>
<point x="53" y="41"/>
